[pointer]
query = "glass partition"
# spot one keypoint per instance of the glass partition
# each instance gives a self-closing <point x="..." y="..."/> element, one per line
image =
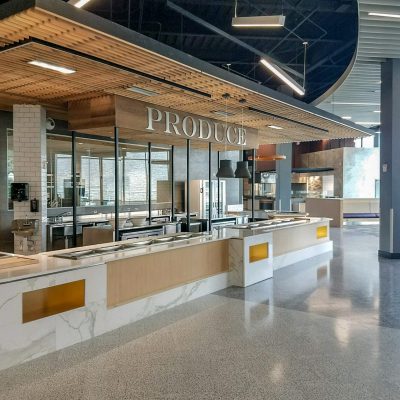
<point x="95" y="172"/>
<point x="59" y="171"/>
<point x="10" y="166"/>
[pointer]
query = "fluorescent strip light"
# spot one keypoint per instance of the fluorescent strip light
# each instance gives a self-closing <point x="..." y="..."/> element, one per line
<point x="274" y="127"/>
<point x="368" y="123"/>
<point x="144" y="92"/>
<point x="270" y="21"/>
<point x="377" y="111"/>
<point x="346" y="117"/>
<point x="345" y="103"/>
<point x="223" y="113"/>
<point x="52" y="67"/>
<point x="386" y="15"/>
<point x="283" y="76"/>
<point x="81" y="3"/>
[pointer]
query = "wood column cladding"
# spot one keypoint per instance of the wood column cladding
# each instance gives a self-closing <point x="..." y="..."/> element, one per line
<point x="142" y="276"/>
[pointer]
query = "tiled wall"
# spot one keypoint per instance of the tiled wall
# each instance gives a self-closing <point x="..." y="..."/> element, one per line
<point x="29" y="123"/>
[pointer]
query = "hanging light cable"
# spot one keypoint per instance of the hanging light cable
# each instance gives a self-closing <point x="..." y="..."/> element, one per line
<point x="225" y="169"/>
<point x="305" y="44"/>
<point x="242" y="167"/>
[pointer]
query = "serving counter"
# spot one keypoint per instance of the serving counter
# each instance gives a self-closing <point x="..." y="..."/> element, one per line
<point x="66" y="297"/>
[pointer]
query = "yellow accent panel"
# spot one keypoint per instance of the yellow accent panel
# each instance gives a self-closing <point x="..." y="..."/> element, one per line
<point x="258" y="252"/>
<point x="52" y="300"/>
<point x="322" y="232"/>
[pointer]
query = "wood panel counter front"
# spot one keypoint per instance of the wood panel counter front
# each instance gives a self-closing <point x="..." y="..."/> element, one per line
<point x="141" y="276"/>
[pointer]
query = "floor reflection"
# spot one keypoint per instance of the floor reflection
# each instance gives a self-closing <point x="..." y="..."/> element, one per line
<point x="351" y="284"/>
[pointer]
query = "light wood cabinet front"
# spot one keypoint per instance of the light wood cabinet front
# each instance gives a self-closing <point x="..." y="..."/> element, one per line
<point x="141" y="276"/>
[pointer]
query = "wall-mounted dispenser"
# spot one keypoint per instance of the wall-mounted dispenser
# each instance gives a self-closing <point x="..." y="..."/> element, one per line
<point x="19" y="191"/>
<point x="34" y="205"/>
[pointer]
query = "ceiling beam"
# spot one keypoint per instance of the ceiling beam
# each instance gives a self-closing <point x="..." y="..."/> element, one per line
<point x="241" y="37"/>
<point x="231" y="38"/>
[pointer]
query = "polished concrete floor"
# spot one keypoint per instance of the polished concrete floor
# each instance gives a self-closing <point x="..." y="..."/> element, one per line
<point x="326" y="328"/>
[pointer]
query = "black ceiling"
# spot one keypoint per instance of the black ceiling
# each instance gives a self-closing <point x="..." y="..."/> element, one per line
<point x="329" y="26"/>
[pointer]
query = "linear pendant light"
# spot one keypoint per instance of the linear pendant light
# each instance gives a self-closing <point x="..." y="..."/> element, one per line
<point x="78" y="3"/>
<point x="262" y="21"/>
<point x="283" y="77"/>
<point x="385" y="15"/>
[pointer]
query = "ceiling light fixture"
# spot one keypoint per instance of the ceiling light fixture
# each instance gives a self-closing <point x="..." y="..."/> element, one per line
<point x="346" y="103"/>
<point x="274" y="127"/>
<point x="385" y="15"/>
<point x="283" y="77"/>
<point x="377" y="111"/>
<point x="346" y="117"/>
<point x="52" y="67"/>
<point x="370" y="123"/>
<point x="222" y="113"/>
<point x="261" y="21"/>
<point x="78" y="3"/>
<point x="144" y="92"/>
<point x="272" y="157"/>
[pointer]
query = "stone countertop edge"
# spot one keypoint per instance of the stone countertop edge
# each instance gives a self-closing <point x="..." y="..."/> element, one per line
<point x="48" y="264"/>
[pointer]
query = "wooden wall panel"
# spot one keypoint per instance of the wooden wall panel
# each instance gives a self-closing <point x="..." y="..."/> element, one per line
<point x="142" y="276"/>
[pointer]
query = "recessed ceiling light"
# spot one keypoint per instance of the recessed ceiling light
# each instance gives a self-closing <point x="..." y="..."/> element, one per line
<point x="144" y="92"/>
<point x="346" y="117"/>
<point x="264" y="21"/>
<point x="346" y="103"/>
<point x="386" y="15"/>
<point x="52" y="67"/>
<point x="283" y="76"/>
<point x="377" y="111"/>
<point x="222" y="113"/>
<point x="274" y="127"/>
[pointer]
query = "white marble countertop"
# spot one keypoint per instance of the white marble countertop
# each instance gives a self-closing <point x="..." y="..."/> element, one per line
<point x="48" y="264"/>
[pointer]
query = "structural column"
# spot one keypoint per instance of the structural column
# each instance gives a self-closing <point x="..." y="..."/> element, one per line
<point x="389" y="243"/>
<point x="284" y="178"/>
<point x="29" y="138"/>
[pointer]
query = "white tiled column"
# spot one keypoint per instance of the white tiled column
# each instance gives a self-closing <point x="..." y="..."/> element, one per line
<point x="29" y="136"/>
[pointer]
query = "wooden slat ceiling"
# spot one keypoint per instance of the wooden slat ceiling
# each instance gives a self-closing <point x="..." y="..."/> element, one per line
<point x="21" y="82"/>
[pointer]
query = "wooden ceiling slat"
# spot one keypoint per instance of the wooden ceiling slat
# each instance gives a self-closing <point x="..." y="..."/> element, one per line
<point x="92" y="79"/>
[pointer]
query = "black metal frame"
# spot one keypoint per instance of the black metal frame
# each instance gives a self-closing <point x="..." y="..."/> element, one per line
<point x="210" y="204"/>
<point x="188" y="185"/>
<point x="74" y="193"/>
<point x="149" y="185"/>
<point x="253" y="183"/>
<point x="218" y="190"/>
<point x="172" y="184"/>
<point x="116" y="175"/>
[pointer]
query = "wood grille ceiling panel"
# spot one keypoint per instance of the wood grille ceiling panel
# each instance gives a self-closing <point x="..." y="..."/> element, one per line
<point x="21" y="82"/>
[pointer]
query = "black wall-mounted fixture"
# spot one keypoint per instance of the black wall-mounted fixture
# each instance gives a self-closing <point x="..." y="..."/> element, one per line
<point x="19" y="191"/>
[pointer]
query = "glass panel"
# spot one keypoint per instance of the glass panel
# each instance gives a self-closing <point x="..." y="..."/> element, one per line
<point x="134" y="177"/>
<point x="59" y="171"/>
<point x="10" y="166"/>
<point x="161" y="191"/>
<point x="95" y="172"/>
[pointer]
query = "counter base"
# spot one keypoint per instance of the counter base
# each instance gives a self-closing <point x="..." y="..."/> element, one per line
<point x="293" y="257"/>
